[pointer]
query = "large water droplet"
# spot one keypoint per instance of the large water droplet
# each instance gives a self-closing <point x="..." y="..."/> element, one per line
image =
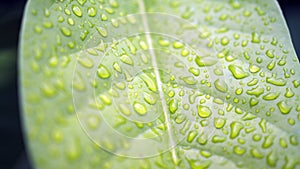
<point x="173" y="106"/>
<point x="205" y="61"/>
<point x="66" y="31"/>
<point x="236" y="127"/>
<point x="103" y="72"/>
<point x="140" y="108"/>
<point x="238" y="71"/>
<point x="76" y="10"/>
<point x="271" y="96"/>
<point x="277" y="82"/>
<point x="204" y="111"/>
<point x="219" y="123"/>
<point x="284" y="107"/>
<point x="221" y="85"/>
<point x="256" y="91"/>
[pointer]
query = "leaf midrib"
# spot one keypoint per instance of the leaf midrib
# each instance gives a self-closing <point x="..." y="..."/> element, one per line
<point x="158" y="79"/>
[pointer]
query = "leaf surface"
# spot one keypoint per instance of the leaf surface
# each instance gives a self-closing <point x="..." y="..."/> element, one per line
<point x="159" y="84"/>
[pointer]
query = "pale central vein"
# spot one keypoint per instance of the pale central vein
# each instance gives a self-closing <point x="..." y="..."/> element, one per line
<point x="158" y="79"/>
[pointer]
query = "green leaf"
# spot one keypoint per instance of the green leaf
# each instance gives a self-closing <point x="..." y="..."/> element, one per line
<point x="159" y="84"/>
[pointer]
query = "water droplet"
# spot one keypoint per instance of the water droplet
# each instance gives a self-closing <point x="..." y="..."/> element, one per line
<point x="48" y="90"/>
<point x="221" y="86"/>
<point x="294" y="140"/>
<point x="92" y="11"/>
<point x="180" y="118"/>
<point x="194" y="71"/>
<point x="272" y="158"/>
<point x="256" y="137"/>
<point x="103" y="72"/>
<point x="47" y="24"/>
<point x="289" y="93"/>
<point x="271" y="96"/>
<point x="106" y="99"/>
<point x="205" y="61"/>
<point x="218" y="139"/>
<point x="271" y="65"/>
<point x="284" y="107"/>
<point x="117" y="67"/>
<point x="204" y="111"/>
<point x="126" y="59"/>
<point x="150" y="82"/>
<point x="178" y="45"/>
<point x="253" y="102"/>
<point x="114" y="23"/>
<point x="219" y="123"/>
<point x="283" y="143"/>
<point x="109" y="10"/>
<point x="191" y="136"/>
<point x="124" y="109"/>
<point x="256" y="153"/>
<point x="253" y="82"/>
<point x="239" y="150"/>
<point x="189" y="80"/>
<point x="66" y="31"/>
<point x="57" y="135"/>
<point x="225" y="41"/>
<point x="255" y="38"/>
<point x="93" y="122"/>
<point x="270" y="53"/>
<point x="248" y="116"/>
<point x="73" y="153"/>
<point x="202" y="140"/>
<point x="140" y="108"/>
<point x="238" y="72"/>
<point x="255" y="91"/>
<point x="81" y="2"/>
<point x="164" y="42"/>
<point x="263" y="125"/>
<point x="173" y="106"/>
<point x="185" y="52"/>
<point x="239" y="91"/>
<point x="196" y="164"/>
<point x="277" y="82"/>
<point x="296" y="83"/>
<point x="102" y="31"/>
<point x="76" y="10"/>
<point x="86" y="62"/>
<point x="236" y="127"/>
<point x="143" y="45"/>
<point x="254" y="68"/>
<point x="268" y="142"/>
<point x="205" y="154"/>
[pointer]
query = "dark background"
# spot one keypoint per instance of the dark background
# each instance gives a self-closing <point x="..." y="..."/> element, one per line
<point x="12" y="149"/>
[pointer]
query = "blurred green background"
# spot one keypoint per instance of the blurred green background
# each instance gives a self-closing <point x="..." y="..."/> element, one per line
<point x="13" y="153"/>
